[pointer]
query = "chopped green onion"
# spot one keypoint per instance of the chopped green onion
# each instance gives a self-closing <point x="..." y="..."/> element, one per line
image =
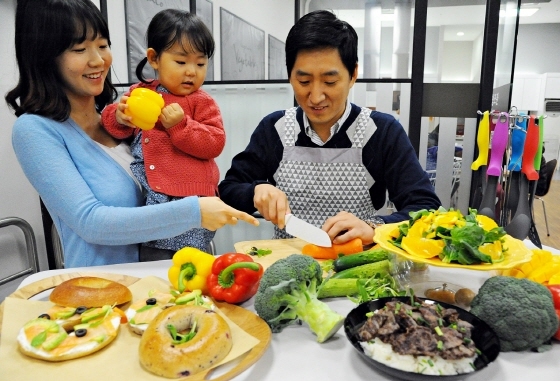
<point x="440" y="345"/>
<point x="369" y="314"/>
<point x="430" y="362"/>
<point x="438" y="331"/>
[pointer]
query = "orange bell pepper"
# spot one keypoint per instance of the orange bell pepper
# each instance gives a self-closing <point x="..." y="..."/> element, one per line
<point x="320" y="252"/>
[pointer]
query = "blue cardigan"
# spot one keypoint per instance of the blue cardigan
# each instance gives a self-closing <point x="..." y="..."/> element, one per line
<point x="388" y="156"/>
<point x="95" y="204"/>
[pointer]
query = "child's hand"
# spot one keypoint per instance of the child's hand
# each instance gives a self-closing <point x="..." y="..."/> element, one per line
<point x="121" y="117"/>
<point x="171" y="115"/>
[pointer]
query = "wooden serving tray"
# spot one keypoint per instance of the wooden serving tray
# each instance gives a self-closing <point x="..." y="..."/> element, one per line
<point x="244" y="318"/>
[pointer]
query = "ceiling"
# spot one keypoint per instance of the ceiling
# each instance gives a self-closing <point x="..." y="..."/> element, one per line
<point x="465" y="16"/>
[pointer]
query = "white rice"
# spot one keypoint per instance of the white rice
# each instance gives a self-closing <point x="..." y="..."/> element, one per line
<point x="383" y="353"/>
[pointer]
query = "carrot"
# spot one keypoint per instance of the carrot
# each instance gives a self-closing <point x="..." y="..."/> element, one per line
<point x="124" y="319"/>
<point x="321" y="252"/>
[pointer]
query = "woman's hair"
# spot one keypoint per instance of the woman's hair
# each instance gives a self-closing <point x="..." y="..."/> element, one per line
<point x="172" y="25"/>
<point x="44" y="30"/>
<point x="322" y="29"/>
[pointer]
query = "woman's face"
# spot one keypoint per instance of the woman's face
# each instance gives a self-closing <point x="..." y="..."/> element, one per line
<point x="84" y="67"/>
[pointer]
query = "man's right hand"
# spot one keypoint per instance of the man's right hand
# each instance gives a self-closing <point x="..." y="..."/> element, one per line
<point x="272" y="204"/>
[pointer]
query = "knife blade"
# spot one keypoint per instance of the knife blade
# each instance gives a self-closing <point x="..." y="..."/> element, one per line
<point x="307" y="232"/>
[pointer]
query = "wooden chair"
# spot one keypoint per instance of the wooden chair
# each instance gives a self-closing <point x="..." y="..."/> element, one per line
<point x="550" y="169"/>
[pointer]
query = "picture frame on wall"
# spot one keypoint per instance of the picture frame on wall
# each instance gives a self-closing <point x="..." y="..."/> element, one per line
<point x="204" y="10"/>
<point x="138" y="15"/>
<point x="242" y="49"/>
<point x="276" y="58"/>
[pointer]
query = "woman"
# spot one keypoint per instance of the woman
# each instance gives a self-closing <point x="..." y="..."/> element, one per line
<point x="82" y="173"/>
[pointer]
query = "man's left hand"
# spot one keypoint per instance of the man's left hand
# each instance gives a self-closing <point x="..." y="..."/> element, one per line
<point x="350" y="226"/>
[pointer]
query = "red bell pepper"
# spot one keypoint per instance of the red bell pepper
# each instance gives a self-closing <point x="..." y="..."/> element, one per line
<point x="234" y="278"/>
<point x="555" y="291"/>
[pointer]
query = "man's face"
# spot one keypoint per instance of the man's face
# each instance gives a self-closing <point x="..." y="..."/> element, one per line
<point x="321" y="85"/>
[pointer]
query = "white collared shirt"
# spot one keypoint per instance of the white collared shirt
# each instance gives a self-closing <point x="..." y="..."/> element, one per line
<point x="309" y="131"/>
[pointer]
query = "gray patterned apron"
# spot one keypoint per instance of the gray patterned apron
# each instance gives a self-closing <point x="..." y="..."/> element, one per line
<point x="321" y="182"/>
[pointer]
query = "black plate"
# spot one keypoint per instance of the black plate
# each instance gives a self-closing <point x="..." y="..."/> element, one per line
<point x="483" y="336"/>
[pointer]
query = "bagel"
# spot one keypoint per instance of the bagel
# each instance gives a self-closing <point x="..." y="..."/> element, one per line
<point x="143" y="311"/>
<point x="46" y="339"/>
<point x="161" y="355"/>
<point x="90" y="292"/>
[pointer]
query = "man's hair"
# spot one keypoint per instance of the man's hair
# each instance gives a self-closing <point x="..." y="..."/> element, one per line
<point x="44" y="30"/>
<point x="322" y="29"/>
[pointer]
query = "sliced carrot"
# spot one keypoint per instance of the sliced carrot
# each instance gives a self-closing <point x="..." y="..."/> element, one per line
<point x="320" y="252"/>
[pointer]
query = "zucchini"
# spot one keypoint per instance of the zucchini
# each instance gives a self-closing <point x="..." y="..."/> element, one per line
<point x="364" y="271"/>
<point x="352" y="260"/>
<point x="334" y="288"/>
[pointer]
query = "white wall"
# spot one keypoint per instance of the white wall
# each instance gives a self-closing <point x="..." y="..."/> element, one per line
<point x="17" y="196"/>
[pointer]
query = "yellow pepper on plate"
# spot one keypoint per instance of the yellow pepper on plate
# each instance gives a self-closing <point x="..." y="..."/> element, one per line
<point x="190" y="269"/>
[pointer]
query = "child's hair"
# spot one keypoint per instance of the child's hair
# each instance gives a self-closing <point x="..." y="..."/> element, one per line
<point x="172" y="25"/>
<point x="44" y="29"/>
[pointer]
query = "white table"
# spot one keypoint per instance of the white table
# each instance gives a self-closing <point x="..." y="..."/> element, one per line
<point x="295" y="355"/>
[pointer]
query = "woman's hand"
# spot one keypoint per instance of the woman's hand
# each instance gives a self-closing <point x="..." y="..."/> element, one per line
<point x="350" y="226"/>
<point x="215" y="213"/>
<point x="272" y="204"/>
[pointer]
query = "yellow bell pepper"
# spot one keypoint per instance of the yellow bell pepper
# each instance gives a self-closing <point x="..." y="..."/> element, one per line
<point x="190" y="269"/>
<point x="144" y="105"/>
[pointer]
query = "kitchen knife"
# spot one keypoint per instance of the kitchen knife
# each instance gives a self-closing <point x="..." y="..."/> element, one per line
<point x="304" y="230"/>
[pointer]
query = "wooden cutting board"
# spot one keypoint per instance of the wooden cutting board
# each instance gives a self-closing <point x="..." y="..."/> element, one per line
<point x="281" y="248"/>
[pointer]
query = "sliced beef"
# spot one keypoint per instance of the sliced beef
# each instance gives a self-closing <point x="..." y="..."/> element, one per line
<point x="417" y="340"/>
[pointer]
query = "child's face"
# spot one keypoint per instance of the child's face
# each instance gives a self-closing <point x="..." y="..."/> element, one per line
<point x="179" y="71"/>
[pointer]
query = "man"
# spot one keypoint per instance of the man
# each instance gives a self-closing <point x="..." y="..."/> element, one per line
<point x="327" y="161"/>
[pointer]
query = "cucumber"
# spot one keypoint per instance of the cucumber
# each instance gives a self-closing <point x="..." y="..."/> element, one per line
<point x="363" y="271"/>
<point x="352" y="260"/>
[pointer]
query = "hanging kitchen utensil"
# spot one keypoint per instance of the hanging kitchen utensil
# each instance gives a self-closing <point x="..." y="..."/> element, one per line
<point x="521" y="222"/>
<point x="533" y="232"/>
<point x="494" y="170"/>
<point x="518" y="134"/>
<point x="483" y="139"/>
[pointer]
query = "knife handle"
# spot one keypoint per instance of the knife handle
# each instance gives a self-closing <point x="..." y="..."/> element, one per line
<point x="499" y="143"/>
<point x="517" y="142"/>
<point x="530" y="149"/>
<point x="483" y="140"/>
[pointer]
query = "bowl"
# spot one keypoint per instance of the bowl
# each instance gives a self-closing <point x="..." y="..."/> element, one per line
<point x="483" y="336"/>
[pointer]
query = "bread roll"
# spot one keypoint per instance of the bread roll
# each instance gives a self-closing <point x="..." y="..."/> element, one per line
<point x="90" y="292"/>
<point x="210" y="345"/>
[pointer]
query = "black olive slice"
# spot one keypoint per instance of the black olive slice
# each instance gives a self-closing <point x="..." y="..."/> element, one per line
<point x="151" y="301"/>
<point x="80" y="332"/>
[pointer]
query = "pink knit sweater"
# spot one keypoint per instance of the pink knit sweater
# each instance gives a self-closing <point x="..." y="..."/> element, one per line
<point x="179" y="161"/>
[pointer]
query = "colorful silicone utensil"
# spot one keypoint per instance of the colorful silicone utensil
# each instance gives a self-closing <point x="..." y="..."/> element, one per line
<point x="499" y="143"/>
<point x="518" y="134"/>
<point x="483" y="140"/>
<point x="521" y="221"/>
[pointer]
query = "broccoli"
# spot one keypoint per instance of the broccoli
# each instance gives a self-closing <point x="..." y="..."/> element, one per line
<point x="520" y="311"/>
<point x="288" y="293"/>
